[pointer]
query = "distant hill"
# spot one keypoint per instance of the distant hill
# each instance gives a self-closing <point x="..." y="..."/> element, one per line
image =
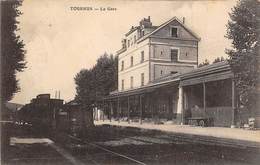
<point x="13" y="106"/>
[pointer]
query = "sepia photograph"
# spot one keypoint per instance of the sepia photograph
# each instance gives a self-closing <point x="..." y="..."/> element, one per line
<point x="120" y="82"/>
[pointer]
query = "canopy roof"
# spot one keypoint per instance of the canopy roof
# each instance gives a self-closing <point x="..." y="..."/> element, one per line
<point x="213" y="72"/>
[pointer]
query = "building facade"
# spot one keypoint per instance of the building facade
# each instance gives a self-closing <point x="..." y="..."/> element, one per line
<point x="159" y="81"/>
<point x="151" y="52"/>
<point x="184" y="98"/>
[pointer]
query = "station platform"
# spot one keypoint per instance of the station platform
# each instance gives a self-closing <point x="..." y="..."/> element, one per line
<point x="236" y="137"/>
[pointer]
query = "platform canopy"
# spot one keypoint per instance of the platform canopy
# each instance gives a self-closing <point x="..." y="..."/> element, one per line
<point x="209" y="73"/>
<point x="145" y="89"/>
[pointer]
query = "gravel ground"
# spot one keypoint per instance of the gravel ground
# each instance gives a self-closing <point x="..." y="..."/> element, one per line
<point x="145" y="146"/>
<point x="155" y="147"/>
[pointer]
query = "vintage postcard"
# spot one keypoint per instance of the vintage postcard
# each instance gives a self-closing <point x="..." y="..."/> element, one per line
<point x="130" y="82"/>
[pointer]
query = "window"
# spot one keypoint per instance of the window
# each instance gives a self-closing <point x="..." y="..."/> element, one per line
<point x="122" y="65"/>
<point x="142" y="79"/>
<point x="161" y="72"/>
<point x="161" y="53"/>
<point x="174" y="32"/>
<point x="142" y="56"/>
<point x="143" y="33"/>
<point x="122" y="86"/>
<point x="131" y="81"/>
<point x="128" y="43"/>
<point x="134" y="39"/>
<point x="132" y="61"/>
<point x="174" y="55"/>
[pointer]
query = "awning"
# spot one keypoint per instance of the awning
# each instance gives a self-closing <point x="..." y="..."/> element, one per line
<point x="213" y="72"/>
<point x="207" y="78"/>
<point x="145" y="89"/>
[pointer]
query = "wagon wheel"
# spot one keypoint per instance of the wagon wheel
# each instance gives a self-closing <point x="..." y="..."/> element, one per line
<point x="201" y="123"/>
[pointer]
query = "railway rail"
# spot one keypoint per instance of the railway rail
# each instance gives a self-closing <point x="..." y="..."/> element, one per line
<point x="86" y="142"/>
<point x="99" y="152"/>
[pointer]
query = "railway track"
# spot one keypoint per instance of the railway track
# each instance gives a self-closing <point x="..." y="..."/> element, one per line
<point x="208" y="140"/>
<point x="127" y="157"/>
<point x="154" y="139"/>
<point x="107" y="151"/>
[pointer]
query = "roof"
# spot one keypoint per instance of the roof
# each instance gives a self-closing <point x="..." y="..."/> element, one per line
<point x="132" y="30"/>
<point x="167" y="77"/>
<point x="13" y="106"/>
<point x="212" y="72"/>
<point x="207" y="69"/>
<point x="165" y="24"/>
<point x="157" y="28"/>
<point x="146" y="88"/>
<point x="72" y="102"/>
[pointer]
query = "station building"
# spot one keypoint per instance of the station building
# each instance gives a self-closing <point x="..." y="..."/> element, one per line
<point x="159" y="81"/>
<point x="151" y="52"/>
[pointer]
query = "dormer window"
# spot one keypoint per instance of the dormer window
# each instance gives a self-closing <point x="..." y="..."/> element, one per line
<point x="128" y="43"/>
<point x="174" y="32"/>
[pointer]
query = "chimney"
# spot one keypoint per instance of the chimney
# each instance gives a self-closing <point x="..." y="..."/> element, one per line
<point x="146" y="22"/>
<point x="183" y="20"/>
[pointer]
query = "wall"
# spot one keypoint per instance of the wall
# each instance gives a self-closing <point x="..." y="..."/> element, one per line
<point x="137" y="67"/>
<point x="136" y="73"/>
<point x="182" y="32"/>
<point x="160" y="70"/>
<point x="218" y="102"/>
<point x="157" y="55"/>
<point x="160" y="51"/>
<point x="222" y="116"/>
<point x="188" y="50"/>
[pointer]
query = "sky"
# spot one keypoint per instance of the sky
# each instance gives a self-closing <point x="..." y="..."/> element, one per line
<point x="61" y="40"/>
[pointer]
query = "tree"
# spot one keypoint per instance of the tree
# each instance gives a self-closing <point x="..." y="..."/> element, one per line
<point x="95" y="83"/>
<point x="106" y="75"/>
<point x="12" y="52"/>
<point x="243" y="30"/>
<point x="85" y="87"/>
<point x="204" y="63"/>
